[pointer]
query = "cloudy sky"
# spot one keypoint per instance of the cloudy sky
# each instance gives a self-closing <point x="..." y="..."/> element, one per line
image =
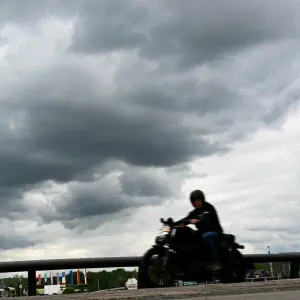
<point x="113" y="111"/>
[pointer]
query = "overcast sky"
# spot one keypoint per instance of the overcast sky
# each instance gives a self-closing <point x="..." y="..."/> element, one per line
<point x="111" y="112"/>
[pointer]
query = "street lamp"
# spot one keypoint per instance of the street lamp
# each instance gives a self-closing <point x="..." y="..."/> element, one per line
<point x="271" y="264"/>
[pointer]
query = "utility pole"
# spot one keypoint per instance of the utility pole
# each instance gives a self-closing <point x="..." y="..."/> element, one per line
<point x="283" y="267"/>
<point x="271" y="264"/>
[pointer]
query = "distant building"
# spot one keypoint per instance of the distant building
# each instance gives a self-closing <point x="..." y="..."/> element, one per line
<point x="131" y="284"/>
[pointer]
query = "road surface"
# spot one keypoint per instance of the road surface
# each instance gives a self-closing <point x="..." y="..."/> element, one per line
<point x="268" y="290"/>
<point x="284" y="295"/>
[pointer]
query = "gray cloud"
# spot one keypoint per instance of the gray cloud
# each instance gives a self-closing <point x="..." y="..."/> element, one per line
<point x="8" y="241"/>
<point x="175" y="96"/>
<point x="175" y="33"/>
<point x="168" y="30"/>
<point x="32" y="11"/>
<point x="64" y="135"/>
<point x="122" y="189"/>
<point x="136" y="183"/>
<point x="124" y="29"/>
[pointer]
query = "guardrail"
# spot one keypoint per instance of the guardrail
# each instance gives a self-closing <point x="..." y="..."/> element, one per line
<point x="263" y="278"/>
<point x="31" y="266"/>
<point x="254" y="279"/>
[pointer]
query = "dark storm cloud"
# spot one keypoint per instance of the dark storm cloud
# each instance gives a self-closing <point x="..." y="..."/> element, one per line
<point x="66" y="129"/>
<point x="138" y="183"/>
<point x="110" y="194"/>
<point x="66" y="134"/>
<point x="29" y="12"/>
<point x="70" y="131"/>
<point x="177" y="33"/>
<point x="165" y="30"/>
<point x="123" y="29"/>
<point x="8" y="241"/>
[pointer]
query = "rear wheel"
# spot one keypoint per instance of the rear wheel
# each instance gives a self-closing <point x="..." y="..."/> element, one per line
<point x="151" y="272"/>
<point x="235" y="270"/>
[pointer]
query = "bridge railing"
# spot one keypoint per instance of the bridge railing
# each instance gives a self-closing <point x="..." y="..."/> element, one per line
<point x="254" y="279"/>
<point x="32" y="266"/>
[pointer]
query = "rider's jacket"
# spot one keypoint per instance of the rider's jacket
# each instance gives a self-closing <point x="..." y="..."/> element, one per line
<point x="209" y="220"/>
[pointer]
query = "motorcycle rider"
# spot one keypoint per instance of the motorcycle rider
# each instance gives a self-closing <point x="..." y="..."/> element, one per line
<point x="206" y="219"/>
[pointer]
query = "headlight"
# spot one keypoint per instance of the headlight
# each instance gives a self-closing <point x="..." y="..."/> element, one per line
<point x="166" y="229"/>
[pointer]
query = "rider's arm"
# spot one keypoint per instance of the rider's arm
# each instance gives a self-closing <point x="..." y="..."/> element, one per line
<point x="186" y="219"/>
<point x="205" y="216"/>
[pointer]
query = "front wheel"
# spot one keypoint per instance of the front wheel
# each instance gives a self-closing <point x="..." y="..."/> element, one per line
<point x="151" y="273"/>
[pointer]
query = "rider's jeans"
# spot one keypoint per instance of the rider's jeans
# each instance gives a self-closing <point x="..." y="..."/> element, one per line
<point x="211" y="243"/>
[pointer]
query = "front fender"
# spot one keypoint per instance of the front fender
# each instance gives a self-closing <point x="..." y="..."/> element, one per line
<point x="153" y="251"/>
<point x="158" y="248"/>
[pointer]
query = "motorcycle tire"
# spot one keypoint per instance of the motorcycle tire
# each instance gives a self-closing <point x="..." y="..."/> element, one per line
<point x="144" y="281"/>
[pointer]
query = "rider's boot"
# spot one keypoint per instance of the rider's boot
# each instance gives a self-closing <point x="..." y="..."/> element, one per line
<point x="215" y="266"/>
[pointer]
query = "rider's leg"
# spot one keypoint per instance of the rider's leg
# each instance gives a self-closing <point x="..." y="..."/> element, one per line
<point x="211" y="241"/>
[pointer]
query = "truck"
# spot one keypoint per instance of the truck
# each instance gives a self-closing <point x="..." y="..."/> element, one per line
<point x="53" y="289"/>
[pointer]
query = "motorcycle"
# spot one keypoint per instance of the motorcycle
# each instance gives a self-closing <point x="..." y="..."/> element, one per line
<point x="178" y="254"/>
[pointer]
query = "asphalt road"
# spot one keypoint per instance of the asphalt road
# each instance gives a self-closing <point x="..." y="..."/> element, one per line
<point x="284" y="295"/>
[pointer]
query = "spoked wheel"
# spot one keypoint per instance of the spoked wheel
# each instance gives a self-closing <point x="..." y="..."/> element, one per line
<point x="235" y="271"/>
<point x="151" y="272"/>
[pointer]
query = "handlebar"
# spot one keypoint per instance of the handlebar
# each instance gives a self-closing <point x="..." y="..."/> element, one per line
<point x="170" y="222"/>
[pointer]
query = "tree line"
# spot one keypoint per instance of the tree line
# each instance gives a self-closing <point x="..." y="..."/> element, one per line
<point x="102" y="280"/>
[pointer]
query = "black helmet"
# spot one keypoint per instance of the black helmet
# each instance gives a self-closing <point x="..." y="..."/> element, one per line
<point x="197" y="194"/>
